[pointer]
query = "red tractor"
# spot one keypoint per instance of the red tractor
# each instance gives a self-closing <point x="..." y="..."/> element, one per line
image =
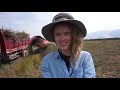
<point x="11" y="49"/>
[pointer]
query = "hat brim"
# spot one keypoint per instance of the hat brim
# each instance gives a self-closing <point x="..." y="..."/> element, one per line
<point x="46" y="30"/>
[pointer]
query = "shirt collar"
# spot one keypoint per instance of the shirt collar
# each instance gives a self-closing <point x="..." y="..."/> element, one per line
<point x="56" y="54"/>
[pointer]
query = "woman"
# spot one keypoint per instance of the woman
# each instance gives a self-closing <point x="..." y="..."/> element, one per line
<point x="69" y="61"/>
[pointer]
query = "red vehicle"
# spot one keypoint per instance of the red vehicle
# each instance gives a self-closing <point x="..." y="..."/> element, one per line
<point x="11" y="49"/>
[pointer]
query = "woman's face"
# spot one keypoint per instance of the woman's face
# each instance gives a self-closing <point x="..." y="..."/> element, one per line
<point x="62" y="35"/>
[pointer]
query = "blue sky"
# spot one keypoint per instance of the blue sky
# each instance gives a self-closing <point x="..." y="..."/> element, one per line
<point x="32" y="22"/>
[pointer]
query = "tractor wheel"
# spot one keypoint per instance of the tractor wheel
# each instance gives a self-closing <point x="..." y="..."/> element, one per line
<point x="25" y="53"/>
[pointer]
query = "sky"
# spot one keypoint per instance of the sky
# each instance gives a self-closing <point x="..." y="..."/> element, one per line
<point x="32" y="22"/>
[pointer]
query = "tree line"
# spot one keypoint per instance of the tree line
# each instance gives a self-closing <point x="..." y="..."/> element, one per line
<point x="16" y="35"/>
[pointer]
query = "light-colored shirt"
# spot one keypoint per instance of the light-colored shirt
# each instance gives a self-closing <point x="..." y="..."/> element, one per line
<point x="53" y="66"/>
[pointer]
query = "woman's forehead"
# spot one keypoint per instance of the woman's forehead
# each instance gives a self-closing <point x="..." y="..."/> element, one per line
<point x="62" y="29"/>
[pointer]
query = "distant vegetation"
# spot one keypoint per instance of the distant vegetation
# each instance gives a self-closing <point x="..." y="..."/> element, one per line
<point x="8" y="33"/>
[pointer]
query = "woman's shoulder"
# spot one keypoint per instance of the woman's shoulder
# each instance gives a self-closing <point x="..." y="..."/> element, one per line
<point x="85" y="53"/>
<point x="85" y="57"/>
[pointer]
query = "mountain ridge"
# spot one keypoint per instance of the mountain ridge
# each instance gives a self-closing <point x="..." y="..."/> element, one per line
<point x="104" y="34"/>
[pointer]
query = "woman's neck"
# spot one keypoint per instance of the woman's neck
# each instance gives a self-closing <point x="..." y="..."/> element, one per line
<point x="65" y="52"/>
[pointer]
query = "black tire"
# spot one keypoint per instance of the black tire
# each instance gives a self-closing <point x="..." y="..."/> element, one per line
<point x="4" y="59"/>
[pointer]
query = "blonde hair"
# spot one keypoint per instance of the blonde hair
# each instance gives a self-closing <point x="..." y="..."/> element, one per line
<point x="76" y="43"/>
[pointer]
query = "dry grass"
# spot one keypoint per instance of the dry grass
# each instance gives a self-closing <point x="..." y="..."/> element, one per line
<point x="106" y="55"/>
<point x="26" y="67"/>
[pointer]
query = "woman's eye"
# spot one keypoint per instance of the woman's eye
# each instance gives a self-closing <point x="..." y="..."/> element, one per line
<point x="57" y="34"/>
<point x="67" y="33"/>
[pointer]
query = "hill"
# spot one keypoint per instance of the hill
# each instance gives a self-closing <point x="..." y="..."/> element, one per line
<point x="104" y="34"/>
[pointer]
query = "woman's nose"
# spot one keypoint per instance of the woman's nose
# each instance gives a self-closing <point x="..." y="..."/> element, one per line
<point x="62" y="37"/>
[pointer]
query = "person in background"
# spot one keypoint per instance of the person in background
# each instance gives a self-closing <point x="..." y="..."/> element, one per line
<point x="68" y="61"/>
<point x="43" y="46"/>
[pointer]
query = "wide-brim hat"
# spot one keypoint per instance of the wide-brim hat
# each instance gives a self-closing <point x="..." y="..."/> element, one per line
<point x="59" y="18"/>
